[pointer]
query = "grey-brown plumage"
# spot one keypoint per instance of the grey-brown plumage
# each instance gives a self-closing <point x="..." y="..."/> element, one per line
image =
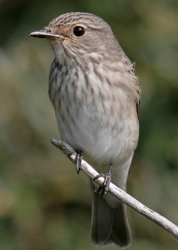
<point x="96" y="97"/>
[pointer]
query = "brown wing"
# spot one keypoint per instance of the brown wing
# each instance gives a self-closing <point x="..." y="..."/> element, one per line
<point x="138" y="108"/>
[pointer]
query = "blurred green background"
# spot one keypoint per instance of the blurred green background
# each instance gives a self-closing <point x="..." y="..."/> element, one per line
<point x="44" y="204"/>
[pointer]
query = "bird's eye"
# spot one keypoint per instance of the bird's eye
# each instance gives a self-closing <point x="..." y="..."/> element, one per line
<point x="79" y="31"/>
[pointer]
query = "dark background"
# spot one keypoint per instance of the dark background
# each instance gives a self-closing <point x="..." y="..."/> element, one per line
<point x="44" y="204"/>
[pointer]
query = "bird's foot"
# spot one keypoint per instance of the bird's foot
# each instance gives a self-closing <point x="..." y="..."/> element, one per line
<point x="68" y="150"/>
<point x="103" y="189"/>
<point x="78" y="160"/>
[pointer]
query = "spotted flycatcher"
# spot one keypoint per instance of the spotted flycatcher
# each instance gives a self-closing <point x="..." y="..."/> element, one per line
<point x="96" y="98"/>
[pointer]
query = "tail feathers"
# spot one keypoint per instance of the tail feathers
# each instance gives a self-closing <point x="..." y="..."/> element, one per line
<point x="108" y="224"/>
<point x="101" y="221"/>
<point x="121" y="234"/>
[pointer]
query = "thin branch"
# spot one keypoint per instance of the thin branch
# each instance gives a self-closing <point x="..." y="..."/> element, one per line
<point x="117" y="192"/>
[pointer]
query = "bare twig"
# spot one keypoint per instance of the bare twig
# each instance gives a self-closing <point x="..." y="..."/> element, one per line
<point x="117" y="192"/>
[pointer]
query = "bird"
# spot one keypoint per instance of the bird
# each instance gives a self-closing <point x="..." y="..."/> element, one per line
<point x="96" y="98"/>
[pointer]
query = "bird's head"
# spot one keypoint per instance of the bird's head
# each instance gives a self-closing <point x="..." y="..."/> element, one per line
<point x="77" y="35"/>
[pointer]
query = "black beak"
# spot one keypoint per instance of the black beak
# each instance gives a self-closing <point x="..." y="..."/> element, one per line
<point x="45" y="34"/>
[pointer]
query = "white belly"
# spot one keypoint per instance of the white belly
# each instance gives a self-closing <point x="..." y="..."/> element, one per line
<point x="99" y="137"/>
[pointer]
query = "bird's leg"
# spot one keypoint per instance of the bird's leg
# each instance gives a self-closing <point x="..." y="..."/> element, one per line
<point x="78" y="159"/>
<point x="107" y="179"/>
